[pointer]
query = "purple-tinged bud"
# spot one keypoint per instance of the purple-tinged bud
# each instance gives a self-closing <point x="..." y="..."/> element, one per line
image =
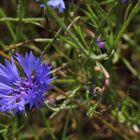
<point x="101" y="45"/>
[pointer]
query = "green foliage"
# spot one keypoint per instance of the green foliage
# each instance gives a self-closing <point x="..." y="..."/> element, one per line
<point x="82" y="105"/>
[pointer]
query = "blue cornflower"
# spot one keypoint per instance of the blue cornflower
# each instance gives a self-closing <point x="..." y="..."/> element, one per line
<point x="54" y="3"/>
<point x="17" y="91"/>
<point x="57" y="3"/>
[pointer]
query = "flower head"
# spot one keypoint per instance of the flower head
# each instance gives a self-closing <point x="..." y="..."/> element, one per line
<point x="57" y="3"/>
<point x="54" y="3"/>
<point x="17" y="91"/>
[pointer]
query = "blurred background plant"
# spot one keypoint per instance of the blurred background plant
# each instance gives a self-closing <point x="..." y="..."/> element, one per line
<point x="94" y="49"/>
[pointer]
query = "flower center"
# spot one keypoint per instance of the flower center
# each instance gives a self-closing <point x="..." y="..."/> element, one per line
<point x="22" y="86"/>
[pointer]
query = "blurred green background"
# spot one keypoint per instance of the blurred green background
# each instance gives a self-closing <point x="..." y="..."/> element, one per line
<point x="78" y="108"/>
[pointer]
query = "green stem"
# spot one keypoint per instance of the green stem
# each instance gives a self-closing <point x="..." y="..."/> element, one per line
<point x="48" y="126"/>
<point x="64" y="81"/>
<point x="134" y="11"/>
<point x="24" y="20"/>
